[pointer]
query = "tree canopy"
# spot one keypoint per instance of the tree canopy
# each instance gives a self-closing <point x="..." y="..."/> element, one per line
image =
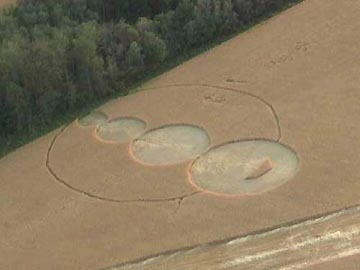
<point x="57" y="56"/>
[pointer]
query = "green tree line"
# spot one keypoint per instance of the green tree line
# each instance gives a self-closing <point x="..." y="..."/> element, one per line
<point x="57" y="56"/>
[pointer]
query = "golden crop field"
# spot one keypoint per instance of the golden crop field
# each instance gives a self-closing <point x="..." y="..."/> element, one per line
<point x="245" y="157"/>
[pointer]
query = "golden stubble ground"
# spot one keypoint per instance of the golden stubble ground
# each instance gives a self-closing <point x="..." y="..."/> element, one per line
<point x="70" y="201"/>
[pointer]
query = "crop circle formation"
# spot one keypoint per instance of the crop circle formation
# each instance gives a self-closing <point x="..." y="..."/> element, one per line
<point x="245" y="167"/>
<point x="93" y="119"/>
<point x="120" y="130"/>
<point x="170" y="145"/>
<point x="199" y="140"/>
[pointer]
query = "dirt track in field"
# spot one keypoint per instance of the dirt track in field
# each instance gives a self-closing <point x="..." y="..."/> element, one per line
<point x="72" y="201"/>
<point x="289" y="247"/>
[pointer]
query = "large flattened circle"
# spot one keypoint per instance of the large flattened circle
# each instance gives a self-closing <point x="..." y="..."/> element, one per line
<point x="81" y="161"/>
<point x="170" y="145"/>
<point x="120" y="130"/>
<point x="245" y="167"/>
<point x="93" y="119"/>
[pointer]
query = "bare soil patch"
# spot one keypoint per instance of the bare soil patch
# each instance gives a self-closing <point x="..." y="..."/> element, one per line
<point x="4" y="3"/>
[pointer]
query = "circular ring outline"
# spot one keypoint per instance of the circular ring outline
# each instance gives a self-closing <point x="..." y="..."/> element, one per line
<point x="227" y="195"/>
<point x="106" y="199"/>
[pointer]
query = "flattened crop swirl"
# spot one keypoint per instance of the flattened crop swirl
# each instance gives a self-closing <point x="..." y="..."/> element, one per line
<point x="178" y="199"/>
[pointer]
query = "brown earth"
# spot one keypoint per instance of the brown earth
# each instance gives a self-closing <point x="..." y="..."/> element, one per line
<point x="6" y="2"/>
<point x="70" y="201"/>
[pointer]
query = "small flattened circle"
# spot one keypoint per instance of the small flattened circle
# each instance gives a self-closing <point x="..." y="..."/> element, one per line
<point x="170" y="145"/>
<point x="121" y="130"/>
<point x="93" y="119"/>
<point x="246" y="167"/>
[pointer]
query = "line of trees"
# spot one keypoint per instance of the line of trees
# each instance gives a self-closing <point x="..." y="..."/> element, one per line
<point x="56" y="56"/>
